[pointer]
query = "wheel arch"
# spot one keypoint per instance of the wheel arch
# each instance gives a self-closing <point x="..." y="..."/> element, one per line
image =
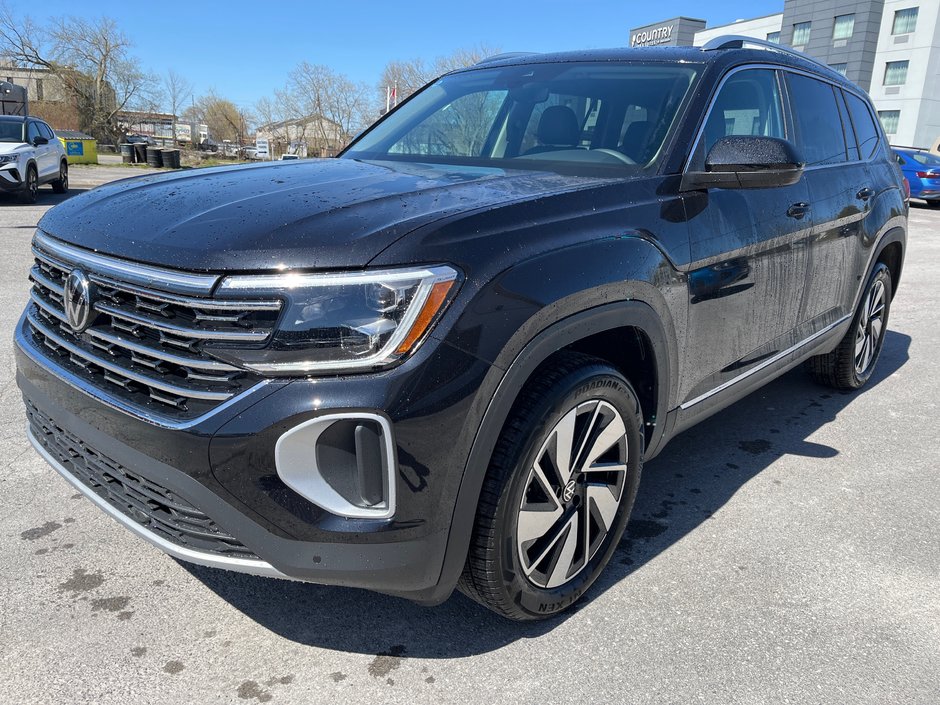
<point x="634" y="323"/>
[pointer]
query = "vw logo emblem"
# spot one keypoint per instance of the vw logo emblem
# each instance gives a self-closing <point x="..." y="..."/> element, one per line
<point x="568" y="492"/>
<point x="79" y="304"/>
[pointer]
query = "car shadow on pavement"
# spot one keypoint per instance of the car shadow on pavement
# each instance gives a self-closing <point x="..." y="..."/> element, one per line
<point x="696" y="474"/>
<point x="45" y="198"/>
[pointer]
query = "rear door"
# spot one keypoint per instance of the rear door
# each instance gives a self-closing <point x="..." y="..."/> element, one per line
<point x="747" y="245"/>
<point x="40" y="151"/>
<point x="840" y="196"/>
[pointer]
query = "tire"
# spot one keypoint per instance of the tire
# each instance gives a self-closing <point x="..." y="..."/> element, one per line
<point x="933" y="204"/>
<point x="31" y="191"/>
<point x="851" y="364"/>
<point x="61" y="185"/>
<point x="524" y="564"/>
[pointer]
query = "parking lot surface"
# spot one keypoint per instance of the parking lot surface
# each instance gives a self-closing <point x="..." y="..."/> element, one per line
<point x="784" y="551"/>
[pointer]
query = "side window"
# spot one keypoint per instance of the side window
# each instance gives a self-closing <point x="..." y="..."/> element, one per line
<point x="816" y="115"/>
<point x="747" y="104"/>
<point x="32" y="132"/>
<point x="46" y="131"/>
<point x="865" y="128"/>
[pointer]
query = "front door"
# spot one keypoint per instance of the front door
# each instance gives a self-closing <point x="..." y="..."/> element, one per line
<point x="748" y="247"/>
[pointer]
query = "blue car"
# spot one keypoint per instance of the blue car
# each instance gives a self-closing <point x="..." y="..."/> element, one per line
<point x="922" y="170"/>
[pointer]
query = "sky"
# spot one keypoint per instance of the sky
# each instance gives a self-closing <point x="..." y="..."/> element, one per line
<point x="244" y="50"/>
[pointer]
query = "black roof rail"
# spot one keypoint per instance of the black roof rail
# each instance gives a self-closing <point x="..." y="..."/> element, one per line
<point x="507" y="55"/>
<point x="736" y="41"/>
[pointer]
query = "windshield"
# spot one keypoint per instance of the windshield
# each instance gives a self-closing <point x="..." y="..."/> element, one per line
<point x="11" y="131"/>
<point x="580" y="117"/>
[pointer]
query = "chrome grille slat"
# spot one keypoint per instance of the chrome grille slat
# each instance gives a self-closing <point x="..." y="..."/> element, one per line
<point x="144" y="345"/>
<point x="179" y="330"/>
<point x="109" y="366"/>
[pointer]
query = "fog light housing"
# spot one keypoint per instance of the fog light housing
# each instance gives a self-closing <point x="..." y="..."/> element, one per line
<point x="343" y="463"/>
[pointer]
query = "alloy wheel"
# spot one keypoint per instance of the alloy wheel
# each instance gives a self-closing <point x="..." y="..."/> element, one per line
<point x="572" y="494"/>
<point x="870" y="328"/>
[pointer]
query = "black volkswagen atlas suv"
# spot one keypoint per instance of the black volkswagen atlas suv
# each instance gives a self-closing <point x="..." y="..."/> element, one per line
<point x="441" y="359"/>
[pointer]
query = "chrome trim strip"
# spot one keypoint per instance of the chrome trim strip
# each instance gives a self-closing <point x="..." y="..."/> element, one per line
<point x="26" y="346"/>
<point x="180" y="360"/>
<point x="36" y="274"/>
<point x="140" y="274"/>
<point x="241" y="565"/>
<point x="766" y="363"/>
<point x="181" y="331"/>
<point x="123" y="371"/>
<point x="300" y="470"/>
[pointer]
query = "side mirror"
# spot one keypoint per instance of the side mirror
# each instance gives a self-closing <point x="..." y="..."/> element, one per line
<point x="38" y="140"/>
<point x="747" y="162"/>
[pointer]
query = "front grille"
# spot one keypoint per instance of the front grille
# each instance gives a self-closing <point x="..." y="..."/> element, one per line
<point x="147" y="503"/>
<point x="146" y="342"/>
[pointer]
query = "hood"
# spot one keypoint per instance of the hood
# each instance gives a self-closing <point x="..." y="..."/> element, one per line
<point x="324" y="213"/>
<point x="10" y="147"/>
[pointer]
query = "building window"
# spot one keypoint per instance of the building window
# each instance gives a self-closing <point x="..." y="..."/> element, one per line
<point x="839" y="68"/>
<point x="889" y="120"/>
<point x="896" y="73"/>
<point x="801" y="34"/>
<point x="844" y="27"/>
<point x="773" y="37"/>
<point x="39" y="95"/>
<point x="905" y="21"/>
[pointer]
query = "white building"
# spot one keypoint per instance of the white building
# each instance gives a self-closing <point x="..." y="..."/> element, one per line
<point x="890" y="48"/>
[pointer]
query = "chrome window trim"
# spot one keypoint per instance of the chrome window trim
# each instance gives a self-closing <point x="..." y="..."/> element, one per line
<point x="157" y="420"/>
<point x="763" y="365"/>
<point x="241" y="565"/>
<point x="786" y="107"/>
<point x="131" y="272"/>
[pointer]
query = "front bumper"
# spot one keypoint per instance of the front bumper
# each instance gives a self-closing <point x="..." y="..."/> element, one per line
<point x="222" y="467"/>
<point x="10" y="178"/>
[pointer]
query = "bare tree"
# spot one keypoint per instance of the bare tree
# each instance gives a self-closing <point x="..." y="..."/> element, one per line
<point x="91" y="58"/>
<point x="333" y="107"/>
<point x="408" y="76"/>
<point x="225" y="120"/>
<point x="178" y="92"/>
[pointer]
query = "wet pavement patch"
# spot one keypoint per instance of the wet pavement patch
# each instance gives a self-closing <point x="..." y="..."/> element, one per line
<point x="250" y="690"/>
<point x="173" y="667"/>
<point x="82" y="581"/>
<point x="755" y="447"/>
<point x="387" y="661"/>
<point x="40" y="531"/>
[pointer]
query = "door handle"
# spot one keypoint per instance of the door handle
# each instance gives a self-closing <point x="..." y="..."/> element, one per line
<point x="798" y="210"/>
<point x="865" y="194"/>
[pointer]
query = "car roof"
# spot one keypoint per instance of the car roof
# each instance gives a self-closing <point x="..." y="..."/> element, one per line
<point x="725" y="57"/>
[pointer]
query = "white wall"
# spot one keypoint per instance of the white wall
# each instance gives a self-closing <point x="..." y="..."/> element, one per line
<point x="919" y="98"/>
<point x="757" y="28"/>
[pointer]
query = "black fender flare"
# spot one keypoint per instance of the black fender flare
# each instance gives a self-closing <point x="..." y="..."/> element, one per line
<point x="558" y="335"/>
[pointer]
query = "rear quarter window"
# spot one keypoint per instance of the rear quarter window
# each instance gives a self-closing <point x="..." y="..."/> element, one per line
<point x="865" y="129"/>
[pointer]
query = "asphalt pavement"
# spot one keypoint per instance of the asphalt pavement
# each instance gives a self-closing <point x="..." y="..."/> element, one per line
<point x="785" y="551"/>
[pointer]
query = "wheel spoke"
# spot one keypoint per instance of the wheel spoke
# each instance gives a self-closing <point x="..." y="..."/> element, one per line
<point x="557" y="534"/>
<point x="876" y="325"/>
<point x="562" y="564"/>
<point x="603" y="499"/>
<point x="535" y="523"/>
<point x="564" y="440"/>
<point x="605" y="467"/>
<point x="611" y="434"/>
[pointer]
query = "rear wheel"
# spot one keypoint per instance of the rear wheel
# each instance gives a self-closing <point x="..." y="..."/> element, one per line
<point x="933" y="204"/>
<point x="61" y="185"/>
<point x="31" y="190"/>
<point x="851" y="364"/>
<point x="558" y="492"/>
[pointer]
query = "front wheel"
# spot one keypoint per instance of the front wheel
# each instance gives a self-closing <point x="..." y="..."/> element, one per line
<point x="559" y="490"/>
<point x="851" y="364"/>
<point x="31" y="187"/>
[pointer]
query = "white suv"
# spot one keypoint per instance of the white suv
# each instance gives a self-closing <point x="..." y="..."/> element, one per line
<point x="30" y="155"/>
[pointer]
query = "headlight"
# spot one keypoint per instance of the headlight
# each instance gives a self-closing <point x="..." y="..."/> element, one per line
<point x="8" y="158"/>
<point x="332" y="322"/>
